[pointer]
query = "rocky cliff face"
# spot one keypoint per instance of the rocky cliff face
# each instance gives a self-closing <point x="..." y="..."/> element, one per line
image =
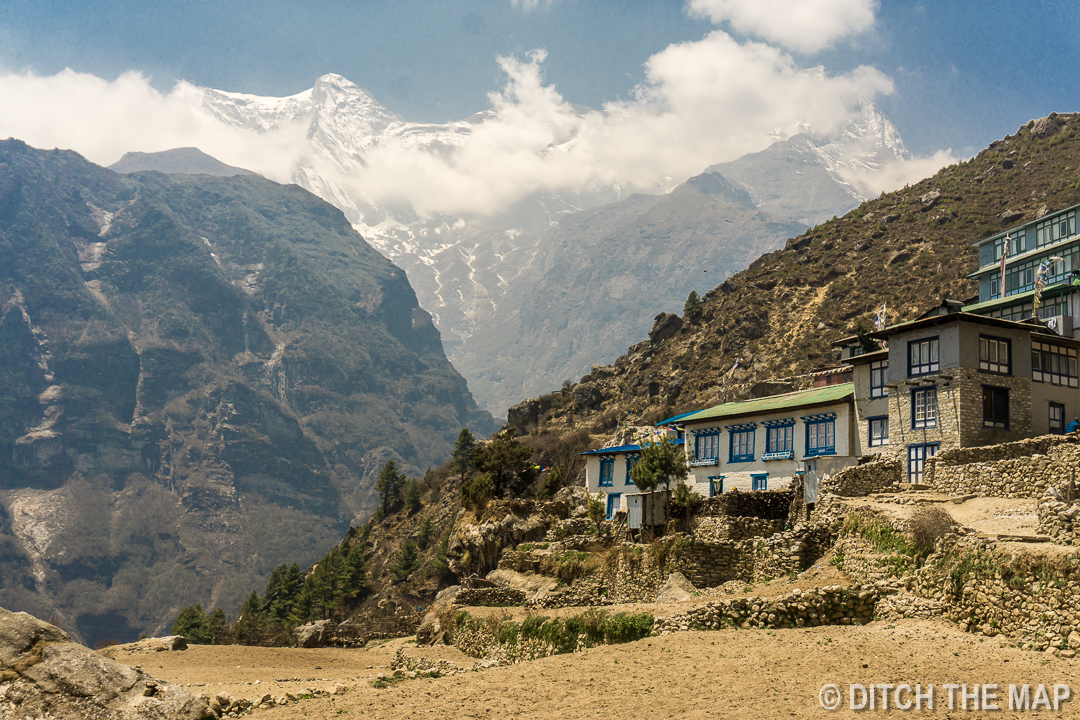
<point x="199" y="379"/>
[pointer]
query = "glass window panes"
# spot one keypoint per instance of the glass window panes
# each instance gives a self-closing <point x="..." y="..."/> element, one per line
<point x="708" y="446"/>
<point x="995" y="407"/>
<point x="879" y="377"/>
<point x="1054" y="229"/>
<point x="607" y="472"/>
<point x="1057" y="418"/>
<point x="1054" y="364"/>
<point x="923" y="356"/>
<point x="994" y="355"/>
<point x="879" y="431"/>
<point x="821" y="437"/>
<point x="924" y="408"/>
<point x="742" y="446"/>
<point x="780" y="439"/>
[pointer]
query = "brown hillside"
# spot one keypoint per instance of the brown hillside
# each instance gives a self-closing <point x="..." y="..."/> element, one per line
<point x="908" y="248"/>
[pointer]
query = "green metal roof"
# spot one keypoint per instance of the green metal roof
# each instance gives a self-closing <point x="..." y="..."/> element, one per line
<point x="1058" y="288"/>
<point x="802" y="398"/>
<point x="1007" y="300"/>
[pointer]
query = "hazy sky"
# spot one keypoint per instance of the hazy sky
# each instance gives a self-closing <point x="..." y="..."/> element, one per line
<point x="965" y="71"/>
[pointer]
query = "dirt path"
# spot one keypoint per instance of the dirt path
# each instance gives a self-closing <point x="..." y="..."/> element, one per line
<point x="722" y="674"/>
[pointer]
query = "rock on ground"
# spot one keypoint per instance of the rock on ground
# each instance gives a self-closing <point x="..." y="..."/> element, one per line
<point x="43" y="674"/>
<point x="675" y="589"/>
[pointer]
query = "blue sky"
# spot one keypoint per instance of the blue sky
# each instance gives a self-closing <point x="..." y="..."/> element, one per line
<point x="965" y="71"/>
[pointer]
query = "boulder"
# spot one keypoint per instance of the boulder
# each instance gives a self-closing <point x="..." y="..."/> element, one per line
<point x="665" y="325"/>
<point x="1044" y="128"/>
<point x="313" y="635"/>
<point x="477" y="543"/>
<point x="44" y="674"/>
<point x="675" y="589"/>
<point x="576" y="498"/>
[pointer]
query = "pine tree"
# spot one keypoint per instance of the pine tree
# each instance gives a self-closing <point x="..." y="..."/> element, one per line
<point x="194" y="625"/>
<point x="355" y="571"/>
<point x="506" y="459"/>
<point x="412" y="496"/>
<point x="462" y="455"/>
<point x="389" y="485"/>
<point x="693" y="306"/>
<point x="661" y="463"/>
<point x="408" y="561"/>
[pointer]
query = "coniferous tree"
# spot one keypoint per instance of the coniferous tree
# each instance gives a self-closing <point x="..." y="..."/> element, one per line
<point x="389" y="485"/>
<point x="462" y="455"/>
<point x="693" y="306"/>
<point x="412" y="496"/>
<point x="355" y="569"/>
<point x="662" y="463"/>
<point x="408" y="561"/>
<point x="506" y="460"/>
<point x="194" y="625"/>
<point x="249" y="626"/>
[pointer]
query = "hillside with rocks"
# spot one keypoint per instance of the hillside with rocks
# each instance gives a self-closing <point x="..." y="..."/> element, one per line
<point x="907" y="250"/>
<point x="200" y="378"/>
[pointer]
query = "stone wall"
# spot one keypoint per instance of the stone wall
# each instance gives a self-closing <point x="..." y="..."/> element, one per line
<point x="1059" y="520"/>
<point x="767" y="504"/>
<point x="1014" y="470"/>
<point x="710" y="564"/>
<point x="831" y="605"/>
<point x="489" y="597"/>
<point x="880" y="475"/>
<point x="715" y="529"/>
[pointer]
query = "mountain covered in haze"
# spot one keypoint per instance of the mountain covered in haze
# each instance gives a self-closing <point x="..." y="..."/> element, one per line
<point x="486" y="279"/>
<point x="200" y="378"/>
<point x="189" y="161"/>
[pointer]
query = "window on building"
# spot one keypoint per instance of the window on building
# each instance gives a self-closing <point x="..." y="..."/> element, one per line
<point x="780" y="438"/>
<point x="820" y="437"/>
<point x="742" y="445"/>
<point x="707" y="446"/>
<point x="855" y="350"/>
<point x="1017" y="240"/>
<point x="759" y="481"/>
<point x="923" y="357"/>
<point x="1057" y="418"/>
<point x="879" y="378"/>
<point x="614" y="504"/>
<point x="607" y="472"/>
<point x="1056" y="228"/>
<point x="995" y="407"/>
<point x="924" y="408"/>
<point x="1054" y="364"/>
<point x="631" y="461"/>
<point x="879" y="431"/>
<point x="994" y="354"/>
<point x="917" y="455"/>
<point x="716" y="485"/>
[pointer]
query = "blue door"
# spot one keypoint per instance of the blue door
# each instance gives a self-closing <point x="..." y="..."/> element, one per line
<point x="614" y="503"/>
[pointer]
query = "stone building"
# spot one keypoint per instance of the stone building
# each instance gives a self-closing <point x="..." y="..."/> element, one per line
<point x="957" y="379"/>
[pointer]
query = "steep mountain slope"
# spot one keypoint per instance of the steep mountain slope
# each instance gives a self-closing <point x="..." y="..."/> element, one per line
<point x="471" y="270"/>
<point x="199" y="378"/>
<point x="595" y="281"/>
<point x="906" y="249"/>
<point x="189" y="160"/>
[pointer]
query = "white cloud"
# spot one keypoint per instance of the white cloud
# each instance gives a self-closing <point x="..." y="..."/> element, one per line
<point x="799" y="25"/>
<point x="102" y="120"/>
<point x="899" y="173"/>
<point x="528" y="5"/>
<point x="703" y="102"/>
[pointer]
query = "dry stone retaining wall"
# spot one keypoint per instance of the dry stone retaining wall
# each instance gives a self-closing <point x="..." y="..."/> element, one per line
<point x="715" y="529"/>
<point x="881" y="475"/>
<point x="489" y="597"/>
<point x="767" y="504"/>
<point x="1007" y="472"/>
<point x="1059" y="520"/>
<point x="830" y="605"/>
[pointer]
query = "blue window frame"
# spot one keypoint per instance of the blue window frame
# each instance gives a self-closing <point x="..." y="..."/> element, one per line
<point x="879" y="378"/>
<point x="779" y="439"/>
<point x="759" y="481"/>
<point x="741" y="445"/>
<point x="923" y="357"/>
<point x="878" y="434"/>
<point x="924" y="408"/>
<point x="607" y="472"/>
<point x="614" y="502"/>
<point x="716" y="485"/>
<point x="631" y="461"/>
<point x="707" y="447"/>
<point x="917" y="455"/>
<point x="820" y="435"/>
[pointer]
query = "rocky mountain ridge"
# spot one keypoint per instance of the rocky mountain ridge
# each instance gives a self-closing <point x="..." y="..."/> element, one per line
<point x="200" y="377"/>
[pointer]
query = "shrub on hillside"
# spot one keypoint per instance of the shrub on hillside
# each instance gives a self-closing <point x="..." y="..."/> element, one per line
<point x="928" y="524"/>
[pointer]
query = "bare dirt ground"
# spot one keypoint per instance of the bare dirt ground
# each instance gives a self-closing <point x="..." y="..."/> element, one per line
<point x="720" y="674"/>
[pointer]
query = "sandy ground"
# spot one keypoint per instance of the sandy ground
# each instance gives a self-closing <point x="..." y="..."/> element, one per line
<point x="720" y="674"/>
